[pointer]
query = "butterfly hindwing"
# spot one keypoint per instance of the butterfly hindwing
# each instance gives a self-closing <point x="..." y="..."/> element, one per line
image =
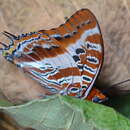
<point x="81" y="37"/>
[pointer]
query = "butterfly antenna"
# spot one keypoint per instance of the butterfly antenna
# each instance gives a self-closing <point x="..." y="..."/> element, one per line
<point x="10" y="35"/>
<point x="4" y="45"/>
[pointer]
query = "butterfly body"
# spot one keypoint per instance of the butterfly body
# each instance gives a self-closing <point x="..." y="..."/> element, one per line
<point x="64" y="60"/>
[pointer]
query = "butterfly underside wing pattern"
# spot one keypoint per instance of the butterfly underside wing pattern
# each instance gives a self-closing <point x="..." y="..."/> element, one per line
<point x="64" y="60"/>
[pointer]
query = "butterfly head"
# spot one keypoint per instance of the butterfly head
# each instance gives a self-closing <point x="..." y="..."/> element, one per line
<point x="8" y="50"/>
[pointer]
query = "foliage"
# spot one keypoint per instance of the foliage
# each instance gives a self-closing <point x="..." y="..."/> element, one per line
<point x="58" y="113"/>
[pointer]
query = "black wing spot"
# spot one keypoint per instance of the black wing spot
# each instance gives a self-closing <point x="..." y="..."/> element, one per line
<point x="89" y="69"/>
<point x="84" y="87"/>
<point x="92" y="60"/>
<point x="80" y="67"/>
<point x="74" y="32"/>
<point x="87" y="78"/>
<point x="74" y="89"/>
<point x="67" y="35"/>
<point x="58" y="38"/>
<point x="76" y="58"/>
<point x="88" y="45"/>
<point x="78" y="27"/>
<point x="80" y="51"/>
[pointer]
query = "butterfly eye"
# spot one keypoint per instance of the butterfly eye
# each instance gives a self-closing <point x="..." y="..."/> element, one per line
<point x="74" y="90"/>
<point x="8" y="56"/>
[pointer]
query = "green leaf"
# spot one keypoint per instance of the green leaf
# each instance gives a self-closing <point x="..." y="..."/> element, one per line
<point x="67" y="113"/>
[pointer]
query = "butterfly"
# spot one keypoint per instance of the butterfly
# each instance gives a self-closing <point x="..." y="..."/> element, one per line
<point x="64" y="60"/>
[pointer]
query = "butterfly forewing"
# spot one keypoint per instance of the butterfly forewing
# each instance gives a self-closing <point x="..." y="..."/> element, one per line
<point x="66" y="59"/>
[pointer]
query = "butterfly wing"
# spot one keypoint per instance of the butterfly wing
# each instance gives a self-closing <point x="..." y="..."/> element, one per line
<point x="81" y="37"/>
<point x="66" y="59"/>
